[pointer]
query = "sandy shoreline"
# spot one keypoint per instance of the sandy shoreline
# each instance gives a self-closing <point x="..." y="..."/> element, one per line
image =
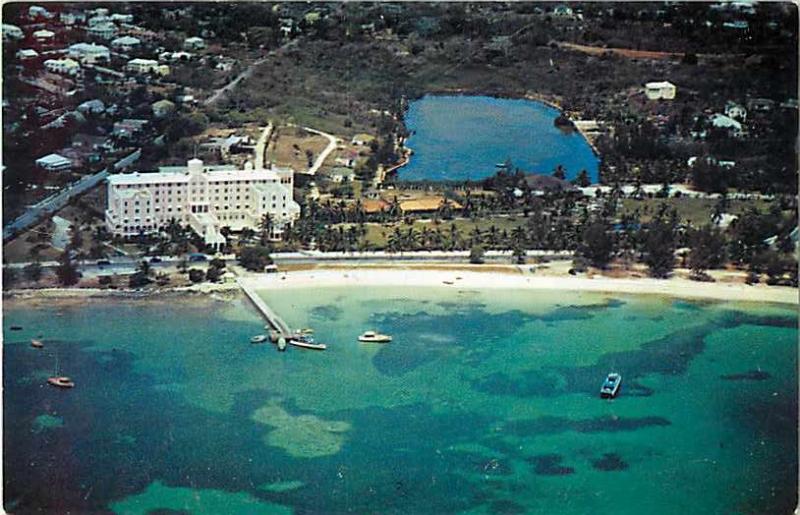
<point x="481" y="280"/>
<point x="396" y="277"/>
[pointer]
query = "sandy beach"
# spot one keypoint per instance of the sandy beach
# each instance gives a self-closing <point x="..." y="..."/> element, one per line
<point x="675" y="287"/>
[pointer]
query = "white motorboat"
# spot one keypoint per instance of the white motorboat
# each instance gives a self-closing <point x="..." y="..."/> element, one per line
<point x="374" y="337"/>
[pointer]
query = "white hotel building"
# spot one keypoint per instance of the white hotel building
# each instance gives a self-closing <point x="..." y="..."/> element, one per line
<point x="203" y="198"/>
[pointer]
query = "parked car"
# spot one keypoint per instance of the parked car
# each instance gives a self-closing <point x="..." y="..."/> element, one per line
<point x="197" y="257"/>
<point x="155" y="259"/>
<point x="103" y="262"/>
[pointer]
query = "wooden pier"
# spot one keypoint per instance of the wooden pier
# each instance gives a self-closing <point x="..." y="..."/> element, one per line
<point x="274" y="320"/>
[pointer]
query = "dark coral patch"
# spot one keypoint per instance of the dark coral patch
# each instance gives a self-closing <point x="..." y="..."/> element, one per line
<point x="505" y="507"/>
<point x="549" y="465"/>
<point x="329" y="312"/>
<point x="553" y="425"/>
<point x="609" y="462"/>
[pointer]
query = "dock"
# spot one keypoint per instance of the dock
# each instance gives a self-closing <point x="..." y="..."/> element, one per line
<point x="274" y="320"/>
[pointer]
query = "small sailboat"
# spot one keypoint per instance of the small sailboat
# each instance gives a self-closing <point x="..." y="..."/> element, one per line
<point x="259" y="338"/>
<point x="374" y="337"/>
<point x="60" y="381"/>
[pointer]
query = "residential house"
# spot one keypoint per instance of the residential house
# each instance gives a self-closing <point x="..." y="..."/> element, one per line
<point x="660" y="90"/>
<point x="563" y="11"/>
<point x="63" y="66"/>
<point x="54" y="163"/>
<point x="340" y="174"/>
<point x="162" y="108"/>
<point x="12" y="32"/>
<point x="540" y="184"/>
<point x="27" y="54"/>
<point x="100" y="19"/>
<point x="44" y="36"/>
<point x="125" y="43"/>
<point x="175" y="56"/>
<point x="89" y="53"/>
<point x="143" y="66"/>
<point x="736" y="25"/>
<point x="95" y="106"/>
<point x="760" y="104"/>
<point x="226" y="146"/>
<point x="72" y="18"/>
<point x="99" y="11"/>
<point x="103" y="31"/>
<point x="734" y="128"/>
<point x="203" y="198"/>
<point x="122" y="18"/>
<point x="735" y="111"/>
<point x="194" y="43"/>
<point x="36" y="12"/>
<point x="128" y="127"/>
<point x="362" y="139"/>
<point x="348" y="158"/>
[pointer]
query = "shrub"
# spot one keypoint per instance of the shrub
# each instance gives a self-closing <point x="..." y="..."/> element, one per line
<point x="196" y="275"/>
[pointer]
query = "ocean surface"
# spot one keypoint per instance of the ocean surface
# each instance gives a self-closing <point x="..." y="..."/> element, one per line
<point x="485" y="402"/>
<point x="464" y="137"/>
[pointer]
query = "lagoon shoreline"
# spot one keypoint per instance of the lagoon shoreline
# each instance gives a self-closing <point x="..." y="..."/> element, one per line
<point x="458" y="278"/>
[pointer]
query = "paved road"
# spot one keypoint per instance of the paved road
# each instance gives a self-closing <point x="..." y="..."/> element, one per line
<point x="332" y="141"/>
<point x="127" y="265"/>
<point x="219" y="93"/>
<point x="261" y="147"/>
<point x="52" y="204"/>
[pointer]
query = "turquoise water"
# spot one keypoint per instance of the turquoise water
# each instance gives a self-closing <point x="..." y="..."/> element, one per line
<point x="485" y="402"/>
<point x="463" y="137"/>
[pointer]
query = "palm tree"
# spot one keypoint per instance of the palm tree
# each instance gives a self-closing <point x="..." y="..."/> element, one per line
<point x="265" y="225"/>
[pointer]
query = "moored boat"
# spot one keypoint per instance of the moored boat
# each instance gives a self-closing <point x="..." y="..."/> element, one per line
<point x="259" y="338"/>
<point x="374" y="337"/>
<point x="306" y="342"/>
<point x="61" y="382"/>
<point x="611" y="385"/>
<point x="36" y="343"/>
<point x="281" y="344"/>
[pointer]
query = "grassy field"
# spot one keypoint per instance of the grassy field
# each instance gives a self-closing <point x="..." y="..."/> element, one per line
<point x="697" y="211"/>
<point x="378" y="234"/>
<point x="289" y="146"/>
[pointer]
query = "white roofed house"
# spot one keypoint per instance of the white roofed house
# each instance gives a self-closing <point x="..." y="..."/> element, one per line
<point x="36" y="12"/>
<point x="734" y="128"/>
<point x="54" y="163"/>
<point x="144" y="66"/>
<point x="194" y="43"/>
<point x="12" y="32"/>
<point x="102" y="31"/>
<point x="44" y="36"/>
<point x="126" y="43"/>
<point x="660" y="90"/>
<point x="95" y="106"/>
<point x="201" y="197"/>
<point x="162" y="108"/>
<point x="122" y="18"/>
<point x="89" y="53"/>
<point x="64" y="66"/>
<point x="72" y="18"/>
<point x="27" y="54"/>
